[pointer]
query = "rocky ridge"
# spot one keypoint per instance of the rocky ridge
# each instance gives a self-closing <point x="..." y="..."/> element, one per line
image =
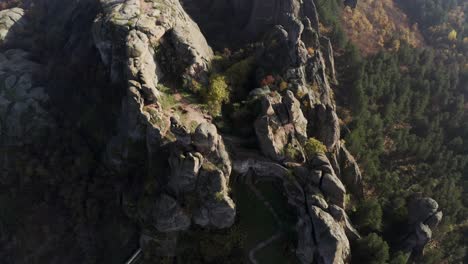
<point x="184" y="175"/>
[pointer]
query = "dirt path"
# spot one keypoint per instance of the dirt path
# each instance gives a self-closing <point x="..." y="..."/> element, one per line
<point x="191" y="111"/>
<point x="263" y="244"/>
<point x="278" y="221"/>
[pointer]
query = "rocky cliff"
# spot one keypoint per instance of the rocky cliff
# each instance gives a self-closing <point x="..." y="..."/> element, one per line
<point x="97" y="162"/>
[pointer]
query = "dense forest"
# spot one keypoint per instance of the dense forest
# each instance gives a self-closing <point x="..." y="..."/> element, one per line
<point x="406" y="115"/>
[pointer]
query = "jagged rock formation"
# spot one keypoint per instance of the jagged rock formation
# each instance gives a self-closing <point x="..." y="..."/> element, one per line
<point x="281" y="123"/>
<point x="94" y="112"/>
<point x="12" y="24"/>
<point x="423" y="216"/>
<point x="23" y="116"/>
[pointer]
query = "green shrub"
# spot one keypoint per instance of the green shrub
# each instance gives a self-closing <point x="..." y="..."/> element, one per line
<point x="313" y="147"/>
<point x="368" y="216"/>
<point x="399" y="258"/>
<point x="240" y="72"/>
<point x="217" y="94"/>
<point x="292" y="152"/>
<point x="219" y="196"/>
<point x="371" y="249"/>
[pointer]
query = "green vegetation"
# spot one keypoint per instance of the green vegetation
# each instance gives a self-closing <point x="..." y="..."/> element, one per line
<point x="291" y="152"/>
<point x="217" y="94"/>
<point x="313" y="146"/>
<point x="329" y="11"/>
<point x="409" y="128"/>
<point x="368" y="216"/>
<point x="371" y="249"/>
<point x="219" y="196"/>
<point x="228" y="79"/>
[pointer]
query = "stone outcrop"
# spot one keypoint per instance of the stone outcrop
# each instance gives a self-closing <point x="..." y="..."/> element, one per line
<point x="350" y="174"/>
<point x="12" y="25"/>
<point x="141" y="42"/>
<point x="324" y="229"/>
<point x="217" y="210"/>
<point x="168" y="179"/>
<point x="423" y="216"/>
<point x="22" y="100"/>
<point x="329" y="59"/>
<point x="281" y="123"/>
<point x="333" y="245"/>
<point x="168" y="216"/>
<point x="184" y="171"/>
<point x="196" y="191"/>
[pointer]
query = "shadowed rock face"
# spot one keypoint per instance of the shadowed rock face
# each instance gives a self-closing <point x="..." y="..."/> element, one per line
<point x="95" y="161"/>
<point x="228" y="22"/>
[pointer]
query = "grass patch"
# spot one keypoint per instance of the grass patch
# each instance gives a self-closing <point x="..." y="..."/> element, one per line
<point x="255" y="220"/>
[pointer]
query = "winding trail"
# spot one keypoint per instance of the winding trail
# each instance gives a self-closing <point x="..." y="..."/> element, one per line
<point x="278" y="221"/>
<point x="135" y="257"/>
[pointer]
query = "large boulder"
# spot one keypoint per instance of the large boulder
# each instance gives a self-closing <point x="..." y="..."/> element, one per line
<point x="167" y="29"/>
<point x="333" y="189"/>
<point x="168" y="216"/>
<point x="328" y="127"/>
<point x="24" y="118"/>
<point x="423" y="216"/>
<point x="329" y="59"/>
<point x="140" y="42"/>
<point x="350" y="173"/>
<point x="332" y="244"/>
<point x="184" y="171"/>
<point x="216" y="209"/>
<point x="280" y="123"/>
<point x="421" y="209"/>
<point x="306" y="246"/>
<point x="12" y="24"/>
<point x="210" y="144"/>
<point x="342" y="217"/>
<point x="205" y="138"/>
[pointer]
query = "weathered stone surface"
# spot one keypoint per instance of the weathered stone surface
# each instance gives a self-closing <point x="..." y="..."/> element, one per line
<point x="417" y="240"/>
<point x="333" y="245"/>
<point x="340" y="216"/>
<point x="295" y="116"/>
<point x="23" y="116"/>
<point x="161" y="244"/>
<point x="316" y="200"/>
<point x="423" y="214"/>
<point x="146" y="26"/>
<point x="140" y="42"/>
<point x="12" y="24"/>
<point x="333" y="189"/>
<point x="270" y="132"/>
<point x="421" y="209"/>
<point x="310" y="36"/>
<point x="205" y="138"/>
<point x="329" y="59"/>
<point x="209" y="143"/>
<point x="322" y="163"/>
<point x="182" y="134"/>
<point x="350" y="173"/>
<point x="434" y="220"/>
<point x="280" y="123"/>
<point x="168" y="216"/>
<point x="329" y="126"/>
<point x="184" y="171"/>
<point x="306" y="247"/>
<point x="217" y="210"/>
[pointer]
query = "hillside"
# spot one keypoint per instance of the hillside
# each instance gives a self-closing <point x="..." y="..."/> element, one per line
<point x="374" y="25"/>
<point x="233" y="131"/>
